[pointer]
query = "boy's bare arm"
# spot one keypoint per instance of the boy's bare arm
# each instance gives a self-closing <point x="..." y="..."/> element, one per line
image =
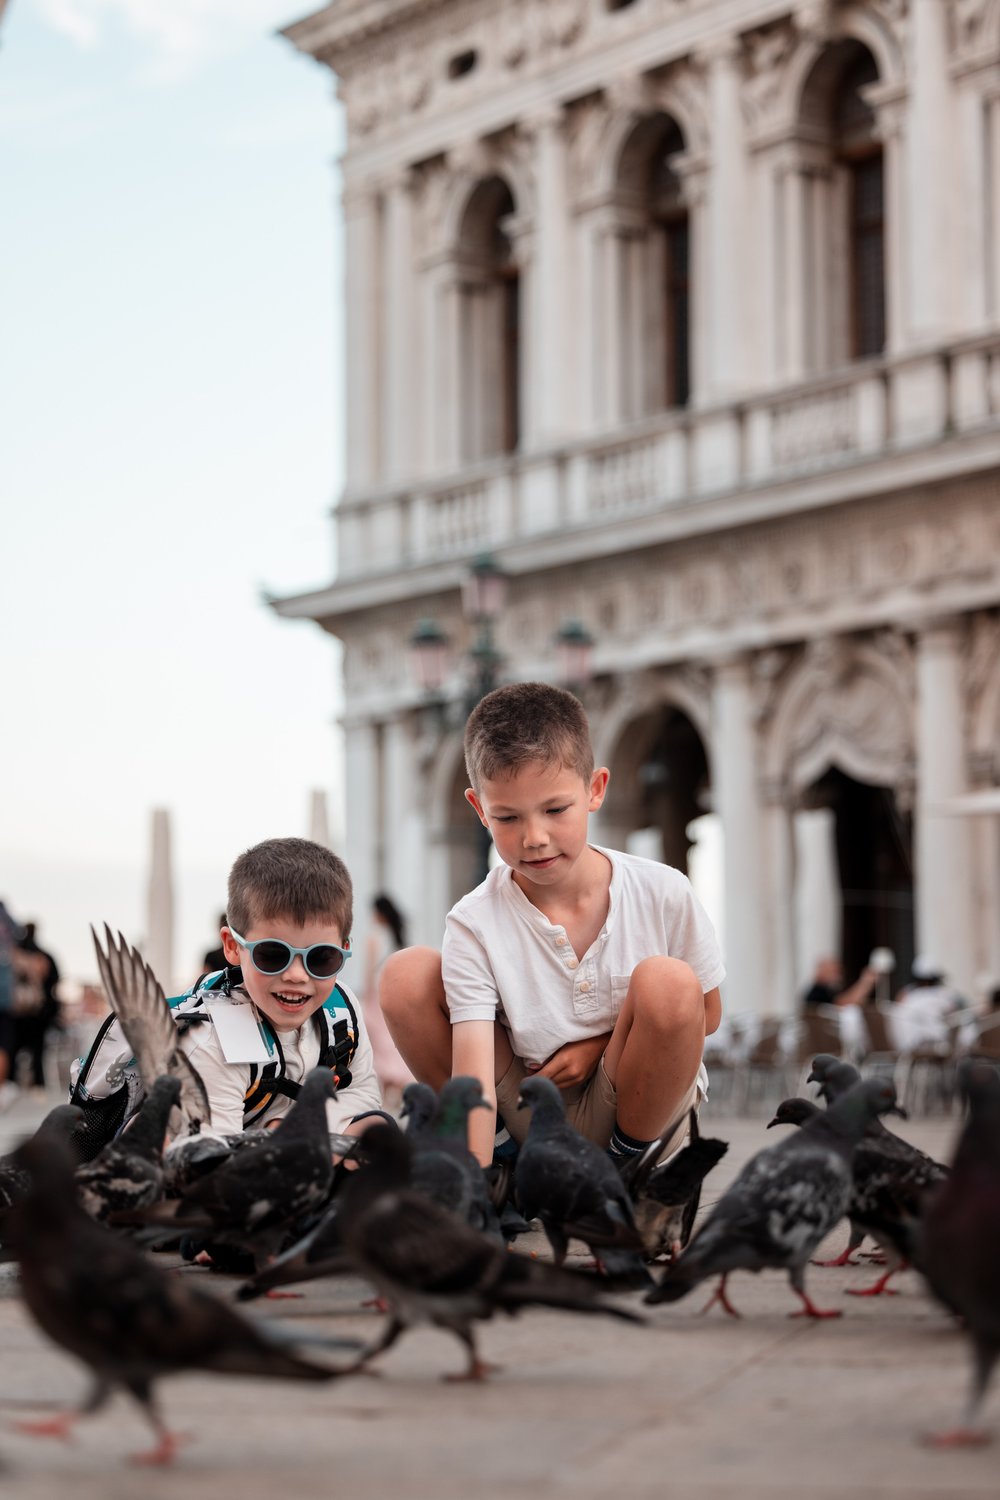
<point x="473" y="1053"/>
<point x="713" y="1011"/>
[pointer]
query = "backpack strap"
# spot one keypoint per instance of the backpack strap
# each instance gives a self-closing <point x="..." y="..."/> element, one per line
<point x="338" y="1042"/>
<point x="76" y="1094"/>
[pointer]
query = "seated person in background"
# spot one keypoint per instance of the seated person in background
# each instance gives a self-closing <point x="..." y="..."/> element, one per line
<point x="828" y="988"/>
<point x="921" y="1012"/>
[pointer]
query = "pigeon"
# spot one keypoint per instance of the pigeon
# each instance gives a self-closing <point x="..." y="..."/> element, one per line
<point x="99" y="1297"/>
<point x="959" y="1241"/>
<point x="128" y="1172"/>
<point x="137" y="999"/>
<point x="419" y="1104"/>
<point x="443" y="1166"/>
<point x="782" y="1204"/>
<point x="574" y="1188"/>
<point x="256" y="1197"/>
<point x="891" y="1179"/>
<point x="666" y="1197"/>
<point x="430" y="1267"/>
<point x="15" y="1180"/>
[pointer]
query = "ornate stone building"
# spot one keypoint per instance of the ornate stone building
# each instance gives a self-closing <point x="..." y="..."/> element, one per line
<point x="689" y="312"/>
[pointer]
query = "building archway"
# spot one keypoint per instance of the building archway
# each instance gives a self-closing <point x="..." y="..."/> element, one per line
<point x="660" y="784"/>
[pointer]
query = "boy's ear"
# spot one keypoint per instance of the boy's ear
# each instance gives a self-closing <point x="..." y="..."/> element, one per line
<point x="598" y="787"/>
<point x="230" y="948"/>
<point x="476" y="805"/>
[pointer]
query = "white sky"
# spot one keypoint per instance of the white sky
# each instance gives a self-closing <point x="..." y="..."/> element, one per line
<point x="171" y="442"/>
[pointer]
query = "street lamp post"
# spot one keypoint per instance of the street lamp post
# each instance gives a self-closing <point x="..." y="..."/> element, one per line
<point x="484" y="594"/>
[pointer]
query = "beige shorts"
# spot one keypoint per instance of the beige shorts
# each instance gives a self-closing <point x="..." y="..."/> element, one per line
<point x="590" y="1106"/>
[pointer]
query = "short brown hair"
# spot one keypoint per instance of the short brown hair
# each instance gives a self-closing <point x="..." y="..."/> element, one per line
<point x="523" y="722"/>
<point x="292" y="878"/>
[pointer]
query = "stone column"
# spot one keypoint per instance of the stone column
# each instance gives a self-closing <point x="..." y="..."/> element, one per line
<point x="159" y="943"/>
<point x="727" y="221"/>
<point x="695" y="180"/>
<point x="780" y="979"/>
<point x="399" y="386"/>
<point x="931" y="176"/>
<point x="546" y="419"/>
<point x="943" y="846"/>
<point x="404" y="873"/>
<point x="363" y="822"/>
<point x="361" y="355"/>
<point x="734" y="777"/>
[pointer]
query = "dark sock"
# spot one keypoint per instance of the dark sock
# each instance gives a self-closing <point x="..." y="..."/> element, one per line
<point x="504" y="1145"/>
<point x="622" y="1146"/>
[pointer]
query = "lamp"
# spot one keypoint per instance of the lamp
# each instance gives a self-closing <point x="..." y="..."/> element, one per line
<point x="429" y="657"/>
<point x="575" y="646"/>
<point x="484" y="590"/>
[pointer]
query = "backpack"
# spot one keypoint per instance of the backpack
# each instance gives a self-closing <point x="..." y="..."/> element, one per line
<point x="107" y="1087"/>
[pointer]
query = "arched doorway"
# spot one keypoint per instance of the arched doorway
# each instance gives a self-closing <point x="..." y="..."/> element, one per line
<point x="871" y="857"/>
<point x="659" y="786"/>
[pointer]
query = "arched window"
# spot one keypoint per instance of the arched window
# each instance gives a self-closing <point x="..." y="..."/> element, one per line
<point x="654" y="251"/>
<point x="859" y="154"/>
<point x="489" y="324"/>
<point x="835" y="214"/>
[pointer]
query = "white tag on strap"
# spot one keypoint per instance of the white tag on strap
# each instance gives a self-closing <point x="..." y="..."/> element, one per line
<point x="240" y="1035"/>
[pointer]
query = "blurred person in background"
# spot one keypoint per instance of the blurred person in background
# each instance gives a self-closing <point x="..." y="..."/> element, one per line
<point x="924" y="1011"/>
<point x="386" y="934"/>
<point x="215" y="958"/>
<point x="828" y="987"/>
<point x="36" y="1009"/>
<point x="9" y="934"/>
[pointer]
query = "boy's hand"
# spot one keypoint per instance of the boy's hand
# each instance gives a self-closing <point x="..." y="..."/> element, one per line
<point x="575" y="1062"/>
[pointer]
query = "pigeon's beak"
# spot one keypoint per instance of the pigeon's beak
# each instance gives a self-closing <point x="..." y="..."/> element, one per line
<point x="897" y="1109"/>
<point x="522" y="1102"/>
<point x="482" y="1104"/>
<point x="770" y="1123"/>
<point x="813" y="1078"/>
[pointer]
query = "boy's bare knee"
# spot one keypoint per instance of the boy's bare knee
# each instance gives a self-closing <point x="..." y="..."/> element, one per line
<point x="409" y="978"/>
<point x="666" y="995"/>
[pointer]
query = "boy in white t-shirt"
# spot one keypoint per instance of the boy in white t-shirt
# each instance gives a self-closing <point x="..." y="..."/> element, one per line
<point x="596" y="969"/>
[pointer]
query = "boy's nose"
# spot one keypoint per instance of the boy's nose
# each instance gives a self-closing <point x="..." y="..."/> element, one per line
<point x="535" y="837"/>
<point x="296" y="971"/>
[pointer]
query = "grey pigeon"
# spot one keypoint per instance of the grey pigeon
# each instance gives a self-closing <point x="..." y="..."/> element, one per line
<point x="782" y="1204"/>
<point x="419" y="1104"/>
<point x="258" y="1196"/>
<point x="128" y="1172"/>
<point x="574" y="1188"/>
<point x="99" y="1297"/>
<point x="666" y="1197"/>
<point x="891" y="1180"/>
<point x="430" y="1267"/>
<point x="959" y="1241"/>
<point x="136" y="996"/>
<point x="443" y="1166"/>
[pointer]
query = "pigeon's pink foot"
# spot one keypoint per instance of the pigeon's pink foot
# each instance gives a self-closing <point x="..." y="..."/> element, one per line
<point x="59" y="1426"/>
<point x="165" y="1451"/>
<point x="843" y="1259"/>
<point x="719" y="1295"/>
<point x="810" y="1310"/>
<point x="378" y="1303"/>
<point x="877" y="1289"/>
<point x="958" y="1437"/>
<point x="277" y="1296"/>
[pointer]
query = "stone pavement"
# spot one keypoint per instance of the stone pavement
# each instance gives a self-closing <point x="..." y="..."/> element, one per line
<point x="706" y="1407"/>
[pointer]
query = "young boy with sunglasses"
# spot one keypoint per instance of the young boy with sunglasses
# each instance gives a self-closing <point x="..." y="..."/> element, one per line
<point x="279" y="1009"/>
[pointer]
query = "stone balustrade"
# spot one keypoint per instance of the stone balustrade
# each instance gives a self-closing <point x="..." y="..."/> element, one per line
<point x="862" y="413"/>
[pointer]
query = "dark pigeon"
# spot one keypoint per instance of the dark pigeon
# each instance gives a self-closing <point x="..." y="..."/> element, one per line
<point x="99" y="1297"/>
<point x="128" y="1172"/>
<point x="666" y="1197"/>
<point x="136" y="996"/>
<point x="258" y="1196"/>
<point x="443" y="1167"/>
<point x="419" y="1104"/>
<point x="574" y="1188"/>
<point x="15" y="1179"/>
<point x="430" y="1267"/>
<point x="891" y="1180"/>
<point x="782" y="1204"/>
<point x="959" y="1241"/>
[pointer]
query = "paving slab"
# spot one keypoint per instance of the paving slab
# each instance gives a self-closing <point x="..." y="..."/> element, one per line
<point x="704" y="1406"/>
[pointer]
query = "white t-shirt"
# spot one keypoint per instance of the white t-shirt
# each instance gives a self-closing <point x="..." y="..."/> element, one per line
<point x="227" y="1083"/>
<point x="919" y="1017"/>
<point x="504" y="960"/>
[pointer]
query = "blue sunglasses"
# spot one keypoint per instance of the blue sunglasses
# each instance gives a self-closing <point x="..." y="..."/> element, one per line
<point x="272" y="956"/>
